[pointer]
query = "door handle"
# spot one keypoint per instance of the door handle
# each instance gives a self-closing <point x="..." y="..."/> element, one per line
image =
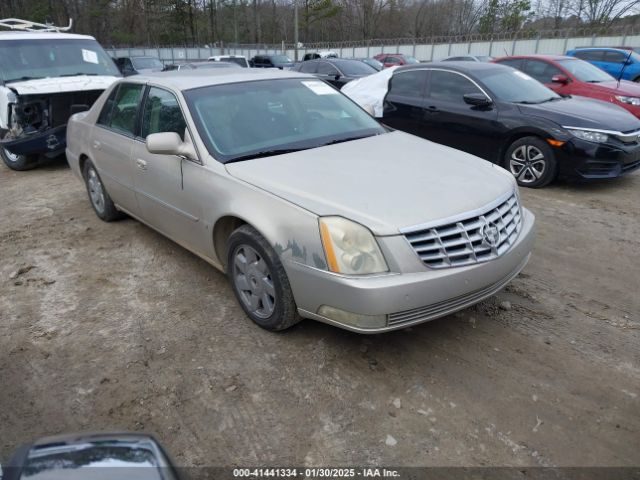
<point x="432" y="109"/>
<point x="141" y="164"/>
<point x="97" y="145"/>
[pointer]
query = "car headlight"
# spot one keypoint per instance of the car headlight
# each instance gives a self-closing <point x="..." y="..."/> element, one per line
<point x="589" y="135"/>
<point x="628" y="100"/>
<point x="350" y="248"/>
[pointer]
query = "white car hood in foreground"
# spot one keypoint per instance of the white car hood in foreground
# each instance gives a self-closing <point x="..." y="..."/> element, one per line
<point x="370" y="90"/>
<point x="386" y="182"/>
<point x="78" y="83"/>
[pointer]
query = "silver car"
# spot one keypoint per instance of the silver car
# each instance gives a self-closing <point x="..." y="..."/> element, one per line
<point x="310" y="206"/>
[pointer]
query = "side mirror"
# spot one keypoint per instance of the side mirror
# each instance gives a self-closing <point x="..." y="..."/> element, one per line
<point x="477" y="99"/>
<point x="562" y="79"/>
<point x="84" y="455"/>
<point x="337" y="76"/>
<point x="170" y="143"/>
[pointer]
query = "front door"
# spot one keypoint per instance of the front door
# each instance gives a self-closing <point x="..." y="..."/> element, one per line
<point x="451" y="121"/>
<point x="165" y="199"/>
<point x="113" y="140"/>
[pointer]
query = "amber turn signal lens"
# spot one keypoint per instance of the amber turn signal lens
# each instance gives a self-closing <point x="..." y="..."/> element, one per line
<point x="555" y="143"/>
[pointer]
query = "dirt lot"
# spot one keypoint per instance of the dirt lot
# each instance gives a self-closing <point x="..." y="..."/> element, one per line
<point x="111" y="326"/>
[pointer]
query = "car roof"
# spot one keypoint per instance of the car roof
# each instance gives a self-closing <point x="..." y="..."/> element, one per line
<point x="539" y="56"/>
<point x="189" y="79"/>
<point x="460" y="66"/>
<point x="582" y="49"/>
<point x="11" y="35"/>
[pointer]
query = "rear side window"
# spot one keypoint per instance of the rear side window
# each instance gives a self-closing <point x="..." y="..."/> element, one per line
<point x="450" y="87"/>
<point x="105" y="114"/>
<point x="162" y="113"/>
<point x="124" y="108"/>
<point x="392" y="60"/>
<point x="517" y="63"/>
<point x="590" y="55"/>
<point x="408" y="84"/>
<point x="308" y="67"/>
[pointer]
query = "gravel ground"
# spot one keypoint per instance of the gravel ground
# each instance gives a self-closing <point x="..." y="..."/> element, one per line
<point x="112" y="326"/>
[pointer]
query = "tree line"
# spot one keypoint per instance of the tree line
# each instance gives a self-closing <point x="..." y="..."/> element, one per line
<point x="216" y="22"/>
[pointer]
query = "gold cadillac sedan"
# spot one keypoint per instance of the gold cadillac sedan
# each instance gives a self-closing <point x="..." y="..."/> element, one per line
<point x="311" y="207"/>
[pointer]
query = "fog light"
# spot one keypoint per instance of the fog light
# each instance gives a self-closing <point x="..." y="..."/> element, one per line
<point x="353" y="319"/>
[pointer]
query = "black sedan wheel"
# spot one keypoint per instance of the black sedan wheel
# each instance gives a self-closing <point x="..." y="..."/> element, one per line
<point x="259" y="280"/>
<point x="531" y="161"/>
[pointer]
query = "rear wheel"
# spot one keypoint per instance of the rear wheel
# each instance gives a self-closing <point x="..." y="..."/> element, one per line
<point x="259" y="280"/>
<point x="532" y="161"/>
<point x="100" y="199"/>
<point x="18" y="162"/>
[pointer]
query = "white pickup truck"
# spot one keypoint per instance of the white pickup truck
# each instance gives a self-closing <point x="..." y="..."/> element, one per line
<point x="45" y="76"/>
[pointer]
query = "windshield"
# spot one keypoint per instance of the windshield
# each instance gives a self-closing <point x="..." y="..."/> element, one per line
<point x="142" y="63"/>
<point x="511" y="85"/>
<point x="355" y="68"/>
<point x="280" y="59"/>
<point x="585" y="72"/>
<point x="53" y="57"/>
<point x="268" y="117"/>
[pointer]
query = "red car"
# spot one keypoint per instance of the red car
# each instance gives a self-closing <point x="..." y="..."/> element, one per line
<point x="572" y="76"/>
<point x="395" y="59"/>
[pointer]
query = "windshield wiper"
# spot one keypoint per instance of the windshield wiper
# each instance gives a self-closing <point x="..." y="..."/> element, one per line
<point x="265" y="153"/>
<point x="348" y="139"/>
<point x="77" y="74"/>
<point x="22" y="79"/>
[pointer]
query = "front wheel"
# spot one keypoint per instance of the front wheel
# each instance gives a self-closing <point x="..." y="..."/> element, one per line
<point x="259" y="280"/>
<point x="532" y="161"/>
<point x="18" y="162"/>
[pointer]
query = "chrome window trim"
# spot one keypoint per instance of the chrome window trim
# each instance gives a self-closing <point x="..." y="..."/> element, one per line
<point x="458" y="73"/>
<point x="461" y="216"/>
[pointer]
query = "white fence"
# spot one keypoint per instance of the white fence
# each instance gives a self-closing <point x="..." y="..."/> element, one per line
<point x="423" y="52"/>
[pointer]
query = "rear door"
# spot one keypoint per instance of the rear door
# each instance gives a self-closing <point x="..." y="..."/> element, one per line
<point x="449" y="120"/>
<point x="404" y="106"/>
<point x="162" y="181"/>
<point x="112" y="143"/>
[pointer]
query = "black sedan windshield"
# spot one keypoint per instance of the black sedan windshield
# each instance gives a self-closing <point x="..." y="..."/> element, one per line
<point x="511" y="85"/>
<point x="34" y="58"/>
<point x="261" y="118"/>
<point x="585" y="72"/>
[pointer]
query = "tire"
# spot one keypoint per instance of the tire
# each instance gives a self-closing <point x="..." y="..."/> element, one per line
<point x="532" y="161"/>
<point x="98" y="196"/>
<point x="18" y="162"/>
<point x="259" y="281"/>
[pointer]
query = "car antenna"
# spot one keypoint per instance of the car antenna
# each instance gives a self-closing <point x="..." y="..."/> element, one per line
<point x="626" y="62"/>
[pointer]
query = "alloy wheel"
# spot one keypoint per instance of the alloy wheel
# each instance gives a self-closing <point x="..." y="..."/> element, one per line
<point x="253" y="281"/>
<point x="12" y="157"/>
<point x="527" y="164"/>
<point x="96" y="192"/>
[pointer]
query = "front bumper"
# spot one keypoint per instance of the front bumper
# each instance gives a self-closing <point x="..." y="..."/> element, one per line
<point x="50" y="143"/>
<point x="587" y="160"/>
<point x="406" y="299"/>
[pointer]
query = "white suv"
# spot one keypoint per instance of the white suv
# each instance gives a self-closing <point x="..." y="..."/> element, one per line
<point x="45" y="76"/>
<point x="239" y="59"/>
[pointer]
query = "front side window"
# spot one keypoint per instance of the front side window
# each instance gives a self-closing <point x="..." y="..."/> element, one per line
<point x="356" y="68"/>
<point x="53" y="57"/>
<point x="408" y="83"/>
<point x="125" y="108"/>
<point x="450" y="87"/>
<point x="325" y="68"/>
<point x="541" y="71"/>
<point x="266" y="117"/>
<point x="162" y="113"/>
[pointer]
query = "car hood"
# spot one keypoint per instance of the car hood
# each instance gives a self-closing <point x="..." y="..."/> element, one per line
<point x="78" y="83"/>
<point x="625" y="87"/>
<point x="385" y="182"/>
<point x="584" y="113"/>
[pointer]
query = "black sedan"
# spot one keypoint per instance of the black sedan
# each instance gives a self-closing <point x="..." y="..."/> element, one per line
<point x="503" y="115"/>
<point x="336" y="71"/>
